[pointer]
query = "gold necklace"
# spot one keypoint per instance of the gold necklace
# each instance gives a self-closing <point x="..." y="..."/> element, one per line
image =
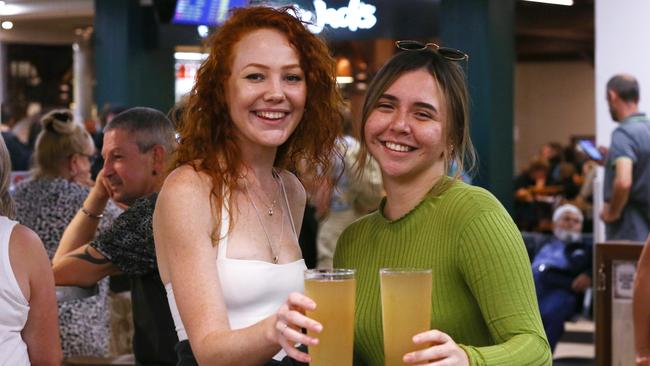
<point x="270" y="208"/>
<point x="275" y="256"/>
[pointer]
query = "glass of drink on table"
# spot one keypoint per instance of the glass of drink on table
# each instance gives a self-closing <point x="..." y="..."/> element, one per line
<point x="405" y="310"/>
<point x="333" y="290"/>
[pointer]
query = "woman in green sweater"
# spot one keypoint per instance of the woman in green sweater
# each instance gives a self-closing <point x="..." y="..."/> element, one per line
<point x="415" y="123"/>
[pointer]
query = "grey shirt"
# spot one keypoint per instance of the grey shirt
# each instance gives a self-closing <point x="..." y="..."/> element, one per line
<point x="631" y="140"/>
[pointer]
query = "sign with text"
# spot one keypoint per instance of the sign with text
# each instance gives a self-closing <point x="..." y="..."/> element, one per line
<point x="367" y="19"/>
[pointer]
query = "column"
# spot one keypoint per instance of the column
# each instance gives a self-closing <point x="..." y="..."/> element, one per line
<point x="485" y="30"/>
<point x="83" y="75"/>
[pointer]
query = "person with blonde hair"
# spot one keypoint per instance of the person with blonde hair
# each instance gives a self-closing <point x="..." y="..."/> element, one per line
<point x="60" y="182"/>
<point x="28" y="318"/>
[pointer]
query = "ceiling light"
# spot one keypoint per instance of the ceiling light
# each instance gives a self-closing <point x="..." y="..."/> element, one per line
<point x="8" y="9"/>
<point x="554" y="2"/>
<point x="7" y="24"/>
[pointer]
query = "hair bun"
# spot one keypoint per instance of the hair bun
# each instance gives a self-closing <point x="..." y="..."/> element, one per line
<point x="59" y="121"/>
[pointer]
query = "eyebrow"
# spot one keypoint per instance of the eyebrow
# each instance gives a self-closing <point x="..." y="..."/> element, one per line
<point x="291" y="66"/>
<point x="424" y="105"/>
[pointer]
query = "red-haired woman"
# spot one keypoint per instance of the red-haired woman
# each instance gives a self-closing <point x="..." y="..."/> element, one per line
<point x="226" y="219"/>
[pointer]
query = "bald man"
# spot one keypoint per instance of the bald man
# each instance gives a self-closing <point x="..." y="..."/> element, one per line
<point x="626" y="211"/>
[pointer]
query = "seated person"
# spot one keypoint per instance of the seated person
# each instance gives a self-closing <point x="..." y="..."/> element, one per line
<point x="137" y="145"/>
<point x="562" y="271"/>
<point x="533" y="198"/>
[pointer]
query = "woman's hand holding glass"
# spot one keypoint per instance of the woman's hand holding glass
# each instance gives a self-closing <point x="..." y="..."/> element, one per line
<point x="444" y="351"/>
<point x="290" y="321"/>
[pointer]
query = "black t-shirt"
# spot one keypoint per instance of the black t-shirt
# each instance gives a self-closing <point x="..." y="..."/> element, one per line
<point x="129" y="245"/>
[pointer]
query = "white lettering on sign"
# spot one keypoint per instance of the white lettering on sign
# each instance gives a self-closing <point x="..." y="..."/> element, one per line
<point x="357" y="15"/>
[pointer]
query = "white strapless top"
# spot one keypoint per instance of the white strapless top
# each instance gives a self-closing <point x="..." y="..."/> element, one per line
<point x="252" y="289"/>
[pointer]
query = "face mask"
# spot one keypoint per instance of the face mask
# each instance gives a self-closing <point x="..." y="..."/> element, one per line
<point x="567" y="236"/>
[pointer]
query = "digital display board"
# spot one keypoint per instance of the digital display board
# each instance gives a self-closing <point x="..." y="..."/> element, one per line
<point x="204" y="12"/>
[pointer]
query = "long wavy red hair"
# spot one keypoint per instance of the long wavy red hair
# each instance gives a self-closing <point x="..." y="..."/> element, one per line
<point x="207" y="130"/>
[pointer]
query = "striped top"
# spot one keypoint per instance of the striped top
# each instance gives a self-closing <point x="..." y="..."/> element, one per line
<point x="483" y="293"/>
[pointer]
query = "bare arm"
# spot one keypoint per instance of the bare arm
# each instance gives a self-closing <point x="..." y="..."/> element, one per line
<point x="182" y="227"/>
<point x="83" y="227"/>
<point x="41" y="332"/>
<point x="84" y="267"/>
<point x="641" y="304"/>
<point x="620" y="192"/>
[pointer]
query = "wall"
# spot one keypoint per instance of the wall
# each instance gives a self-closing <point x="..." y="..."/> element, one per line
<point x="553" y="101"/>
<point x="621" y="46"/>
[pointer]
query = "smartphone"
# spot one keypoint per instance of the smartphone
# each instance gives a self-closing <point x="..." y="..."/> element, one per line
<point x="591" y="150"/>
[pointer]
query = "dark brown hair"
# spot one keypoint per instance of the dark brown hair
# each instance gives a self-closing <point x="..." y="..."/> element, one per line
<point x="207" y="130"/>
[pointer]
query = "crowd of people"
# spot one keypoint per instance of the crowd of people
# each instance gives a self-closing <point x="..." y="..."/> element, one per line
<point x="203" y="214"/>
<point x="556" y="175"/>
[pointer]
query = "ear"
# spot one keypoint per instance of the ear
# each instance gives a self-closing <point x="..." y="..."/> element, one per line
<point x="612" y="95"/>
<point x="158" y="155"/>
<point x="73" y="164"/>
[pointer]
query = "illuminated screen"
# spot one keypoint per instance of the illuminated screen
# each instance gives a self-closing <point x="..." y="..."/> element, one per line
<point x="204" y="12"/>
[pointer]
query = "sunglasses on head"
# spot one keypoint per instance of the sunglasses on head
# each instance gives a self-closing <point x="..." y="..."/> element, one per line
<point x="446" y="52"/>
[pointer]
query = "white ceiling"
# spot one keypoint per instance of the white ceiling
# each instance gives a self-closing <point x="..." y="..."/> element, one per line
<point x="45" y="21"/>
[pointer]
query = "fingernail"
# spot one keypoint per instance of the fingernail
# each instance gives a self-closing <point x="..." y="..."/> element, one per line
<point x="408" y="357"/>
<point x="314" y="341"/>
<point x="318" y="327"/>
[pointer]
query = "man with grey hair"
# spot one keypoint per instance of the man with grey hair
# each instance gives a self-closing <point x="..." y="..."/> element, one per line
<point x="138" y="144"/>
<point x="626" y="211"/>
<point x="562" y="271"/>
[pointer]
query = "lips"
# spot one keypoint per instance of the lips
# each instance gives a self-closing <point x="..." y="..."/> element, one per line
<point x="271" y="115"/>
<point x="397" y="147"/>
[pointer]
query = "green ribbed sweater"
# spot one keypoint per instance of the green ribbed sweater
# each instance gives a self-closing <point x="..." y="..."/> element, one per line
<point x="483" y="292"/>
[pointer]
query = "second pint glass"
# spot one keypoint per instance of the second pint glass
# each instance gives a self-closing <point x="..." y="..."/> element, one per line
<point x="405" y="310"/>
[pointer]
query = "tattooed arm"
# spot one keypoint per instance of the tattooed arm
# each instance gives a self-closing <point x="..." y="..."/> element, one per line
<point x="83" y="267"/>
<point x="126" y="247"/>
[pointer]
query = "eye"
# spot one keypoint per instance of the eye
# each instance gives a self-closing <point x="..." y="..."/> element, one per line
<point x="294" y="78"/>
<point x="386" y="106"/>
<point x="254" y="77"/>
<point x="421" y="115"/>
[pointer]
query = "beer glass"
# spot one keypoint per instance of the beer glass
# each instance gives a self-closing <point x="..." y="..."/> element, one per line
<point x="405" y="310"/>
<point x="333" y="290"/>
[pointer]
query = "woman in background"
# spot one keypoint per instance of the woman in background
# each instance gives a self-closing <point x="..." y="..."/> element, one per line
<point x="60" y="183"/>
<point x="28" y="316"/>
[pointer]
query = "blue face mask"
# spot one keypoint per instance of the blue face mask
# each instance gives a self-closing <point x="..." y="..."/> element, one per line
<point x="567" y="236"/>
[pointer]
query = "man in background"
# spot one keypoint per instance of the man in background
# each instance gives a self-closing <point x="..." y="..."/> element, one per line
<point x="626" y="211"/>
<point x="562" y="271"/>
<point x="138" y="144"/>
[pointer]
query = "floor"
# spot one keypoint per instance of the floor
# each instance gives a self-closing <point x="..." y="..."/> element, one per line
<point x="577" y="345"/>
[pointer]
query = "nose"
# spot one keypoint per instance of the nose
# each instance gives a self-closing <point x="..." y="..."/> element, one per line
<point x="275" y="91"/>
<point x="400" y="123"/>
<point x="108" y="167"/>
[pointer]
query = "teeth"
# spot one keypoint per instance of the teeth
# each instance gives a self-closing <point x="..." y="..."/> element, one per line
<point x="270" y="115"/>
<point x="397" y="147"/>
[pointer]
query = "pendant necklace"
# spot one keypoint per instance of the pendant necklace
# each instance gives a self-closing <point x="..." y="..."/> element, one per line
<point x="274" y="255"/>
<point x="270" y="208"/>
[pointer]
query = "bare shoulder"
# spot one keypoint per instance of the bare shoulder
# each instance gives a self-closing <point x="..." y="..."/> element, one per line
<point x="185" y="176"/>
<point x="25" y="243"/>
<point x="295" y="189"/>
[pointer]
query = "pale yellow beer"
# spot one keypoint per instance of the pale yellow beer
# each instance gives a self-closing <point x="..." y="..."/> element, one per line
<point x="334" y="294"/>
<point x="405" y="310"/>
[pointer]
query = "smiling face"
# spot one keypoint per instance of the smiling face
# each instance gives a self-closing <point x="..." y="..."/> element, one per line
<point x="266" y="91"/>
<point x="405" y="130"/>
<point x="128" y="172"/>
